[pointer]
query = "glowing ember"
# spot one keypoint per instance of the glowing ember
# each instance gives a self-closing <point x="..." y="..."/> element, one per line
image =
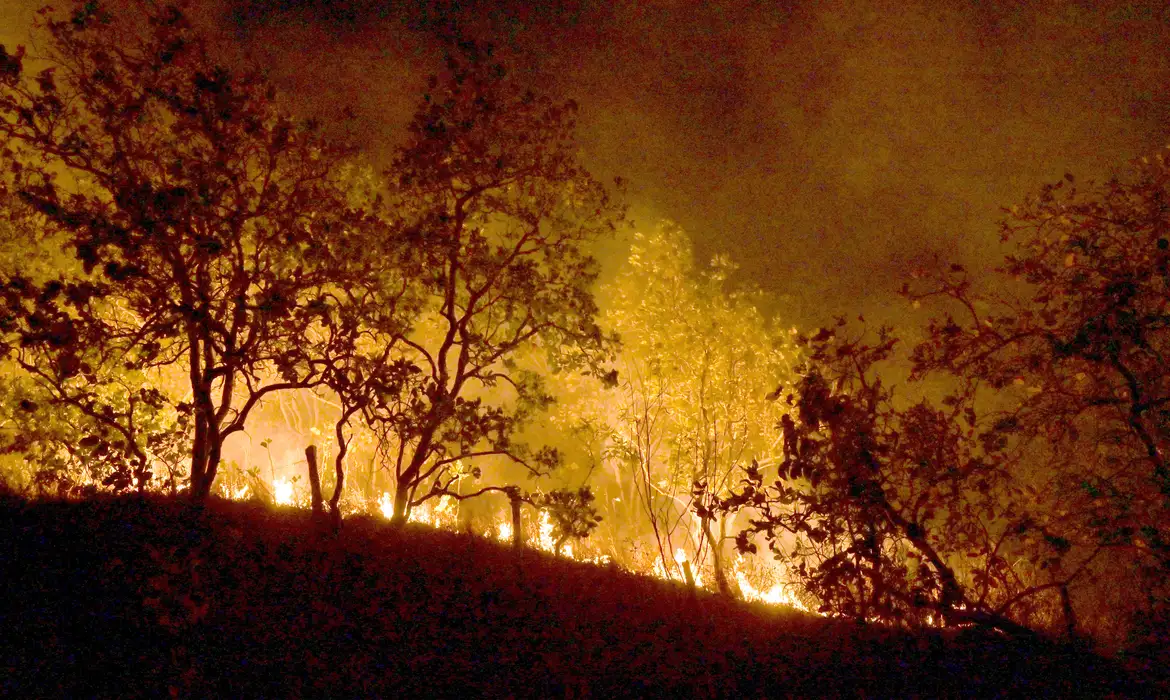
<point x="282" y="491"/>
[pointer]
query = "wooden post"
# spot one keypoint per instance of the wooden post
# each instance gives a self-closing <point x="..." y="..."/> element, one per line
<point x="517" y="525"/>
<point x="687" y="573"/>
<point x="314" y="479"/>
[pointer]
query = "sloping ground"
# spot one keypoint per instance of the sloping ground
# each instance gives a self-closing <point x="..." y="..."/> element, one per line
<point x="129" y="597"/>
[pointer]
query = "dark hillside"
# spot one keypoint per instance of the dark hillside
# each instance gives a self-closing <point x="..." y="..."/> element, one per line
<point x="130" y="597"/>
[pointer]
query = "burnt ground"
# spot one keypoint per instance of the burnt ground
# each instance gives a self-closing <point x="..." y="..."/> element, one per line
<point x="133" y="597"/>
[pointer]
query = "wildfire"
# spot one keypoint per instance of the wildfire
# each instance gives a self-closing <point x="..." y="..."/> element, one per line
<point x="675" y="573"/>
<point x="777" y="594"/>
<point x="282" y="491"/>
<point x="443" y="513"/>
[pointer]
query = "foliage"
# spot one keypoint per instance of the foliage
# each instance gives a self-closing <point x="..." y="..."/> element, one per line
<point x="58" y="459"/>
<point x="898" y="514"/>
<point x="205" y="221"/>
<point x="1074" y="346"/>
<point x="697" y="361"/>
<point x="572" y="513"/>
<point x="498" y="216"/>
<point x="875" y="506"/>
<point x="1038" y="482"/>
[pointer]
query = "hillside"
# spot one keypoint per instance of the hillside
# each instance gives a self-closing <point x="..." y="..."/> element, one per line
<point x="137" y="598"/>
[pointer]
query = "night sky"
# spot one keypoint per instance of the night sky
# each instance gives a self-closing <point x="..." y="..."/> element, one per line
<point x="827" y="147"/>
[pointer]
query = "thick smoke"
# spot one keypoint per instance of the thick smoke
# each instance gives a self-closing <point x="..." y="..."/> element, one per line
<point x="828" y="147"/>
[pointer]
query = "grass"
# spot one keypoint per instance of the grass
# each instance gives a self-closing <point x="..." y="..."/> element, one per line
<point x="133" y="597"/>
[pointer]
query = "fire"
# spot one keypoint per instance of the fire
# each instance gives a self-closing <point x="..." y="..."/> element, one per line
<point x="545" y="538"/>
<point x="675" y="573"/>
<point x="547" y="542"/>
<point x="777" y="594"/>
<point x="441" y="514"/>
<point x="282" y="491"/>
<point x="386" y="505"/>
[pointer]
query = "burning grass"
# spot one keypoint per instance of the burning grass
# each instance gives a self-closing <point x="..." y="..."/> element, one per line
<point x="133" y="597"/>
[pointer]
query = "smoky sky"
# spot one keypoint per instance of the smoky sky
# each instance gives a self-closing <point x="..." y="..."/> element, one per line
<point x="827" y="147"/>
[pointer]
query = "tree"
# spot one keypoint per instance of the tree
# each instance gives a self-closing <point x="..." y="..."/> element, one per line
<point x="55" y="446"/>
<point x="498" y="216"/>
<point x="696" y="364"/>
<point x="902" y="514"/>
<point x="206" y="222"/>
<point x="1023" y="496"/>
<point x="1073" y="347"/>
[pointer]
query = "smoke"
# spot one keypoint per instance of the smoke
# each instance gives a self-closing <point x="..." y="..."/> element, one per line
<point x="827" y="147"/>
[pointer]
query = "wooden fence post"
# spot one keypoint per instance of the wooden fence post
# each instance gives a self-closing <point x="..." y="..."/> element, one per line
<point x="314" y="480"/>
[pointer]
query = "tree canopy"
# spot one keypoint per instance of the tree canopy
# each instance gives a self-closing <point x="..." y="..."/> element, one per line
<point x="205" y="222"/>
<point x="1038" y="481"/>
<point x="225" y="251"/>
<point x="498" y="217"/>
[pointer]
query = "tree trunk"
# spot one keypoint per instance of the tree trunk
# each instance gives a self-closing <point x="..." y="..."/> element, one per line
<point x="339" y="473"/>
<point x="314" y="480"/>
<point x="401" y="501"/>
<point x="199" y="488"/>
<point x="205" y="454"/>
<point x="722" y="584"/>
<point x="215" y="450"/>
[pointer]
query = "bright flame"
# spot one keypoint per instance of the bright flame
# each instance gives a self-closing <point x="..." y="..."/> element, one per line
<point x="441" y="514"/>
<point x="675" y="573"/>
<point x="778" y="594"/>
<point x="545" y="540"/>
<point x="282" y="491"/>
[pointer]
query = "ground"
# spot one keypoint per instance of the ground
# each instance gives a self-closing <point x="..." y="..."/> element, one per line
<point x="133" y="597"/>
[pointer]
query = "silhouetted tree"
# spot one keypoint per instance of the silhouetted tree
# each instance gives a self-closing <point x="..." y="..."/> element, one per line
<point x="498" y="215"/>
<point x="206" y="223"/>
<point x="1073" y="344"/>
<point x="895" y="514"/>
<point x="1039" y="481"/>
